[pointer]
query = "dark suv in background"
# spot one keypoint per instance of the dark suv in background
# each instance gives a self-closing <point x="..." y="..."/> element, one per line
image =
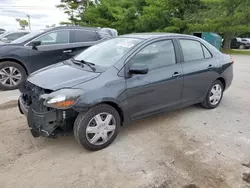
<point x="42" y="48"/>
<point x="239" y="43"/>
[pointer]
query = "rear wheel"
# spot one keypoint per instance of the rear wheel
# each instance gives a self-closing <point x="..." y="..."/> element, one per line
<point x="214" y="95"/>
<point x="97" y="128"/>
<point x="242" y="47"/>
<point x="11" y="75"/>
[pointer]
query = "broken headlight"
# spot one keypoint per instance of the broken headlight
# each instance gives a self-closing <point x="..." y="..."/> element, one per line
<point x="62" y="99"/>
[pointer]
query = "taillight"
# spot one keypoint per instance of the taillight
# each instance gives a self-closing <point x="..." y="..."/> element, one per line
<point x="231" y="59"/>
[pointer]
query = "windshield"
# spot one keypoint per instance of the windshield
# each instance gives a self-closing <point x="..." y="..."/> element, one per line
<point x="108" y="52"/>
<point x="245" y="40"/>
<point x="26" y="37"/>
<point x="4" y="34"/>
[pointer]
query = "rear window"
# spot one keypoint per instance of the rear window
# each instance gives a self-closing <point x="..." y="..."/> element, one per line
<point x="192" y="50"/>
<point x="14" y="36"/>
<point x="27" y="37"/>
<point x="84" y="36"/>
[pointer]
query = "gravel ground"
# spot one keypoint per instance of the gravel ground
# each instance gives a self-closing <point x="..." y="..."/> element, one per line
<point x="6" y="96"/>
<point x="191" y="147"/>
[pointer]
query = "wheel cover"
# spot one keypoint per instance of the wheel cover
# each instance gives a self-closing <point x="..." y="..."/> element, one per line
<point x="100" y="128"/>
<point x="10" y="76"/>
<point x="215" y="94"/>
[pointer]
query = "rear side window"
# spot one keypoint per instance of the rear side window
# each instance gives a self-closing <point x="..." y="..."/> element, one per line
<point x="192" y="50"/>
<point x="207" y="54"/>
<point x="84" y="36"/>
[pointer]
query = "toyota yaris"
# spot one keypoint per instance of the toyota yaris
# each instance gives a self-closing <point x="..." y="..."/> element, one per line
<point x="121" y="80"/>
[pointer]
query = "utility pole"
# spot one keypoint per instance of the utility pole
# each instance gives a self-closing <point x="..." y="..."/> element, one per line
<point x="28" y="16"/>
<point x="72" y="17"/>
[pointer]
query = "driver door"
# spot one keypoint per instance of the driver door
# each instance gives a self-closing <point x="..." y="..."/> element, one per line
<point x="53" y="49"/>
<point x="161" y="87"/>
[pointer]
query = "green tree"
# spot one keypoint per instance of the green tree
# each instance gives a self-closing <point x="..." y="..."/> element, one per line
<point x="155" y="16"/>
<point x="231" y="18"/>
<point x="228" y="17"/>
<point x="22" y="23"/>
<point x="142" y="15"/>
<point x="122" y="15"/>
<point x="181" y="13"/>
<point x="74" y="9"/>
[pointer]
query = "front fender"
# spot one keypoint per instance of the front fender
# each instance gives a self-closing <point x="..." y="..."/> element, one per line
<point x="80" y="106"/>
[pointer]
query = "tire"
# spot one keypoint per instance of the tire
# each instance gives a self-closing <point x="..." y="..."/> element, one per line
<point x="242" y="47"/>
<point x="207" y="102"/>
<point x="84" y="120"/>
<point x="19" y="70"/>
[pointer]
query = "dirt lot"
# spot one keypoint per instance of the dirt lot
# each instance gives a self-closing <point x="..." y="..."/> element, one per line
<point x="184" y="148"/>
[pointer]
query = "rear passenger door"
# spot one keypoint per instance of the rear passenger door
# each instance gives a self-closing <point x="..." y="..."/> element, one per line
<point x="81" y="40"/>
<point x="199" y="70"/>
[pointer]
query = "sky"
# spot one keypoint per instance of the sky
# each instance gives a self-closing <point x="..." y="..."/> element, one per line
<point x="42" y="13"/>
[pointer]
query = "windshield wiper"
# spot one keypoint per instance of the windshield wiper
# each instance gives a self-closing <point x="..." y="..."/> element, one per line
<point x="82" y="62"/>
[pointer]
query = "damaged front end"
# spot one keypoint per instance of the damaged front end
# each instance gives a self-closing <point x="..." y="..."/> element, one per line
<point x="49" y="114"/>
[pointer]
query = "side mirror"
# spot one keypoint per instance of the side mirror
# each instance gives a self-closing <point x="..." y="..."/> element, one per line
<point x="34" y="44"/>
<point x="5" y="40"/>
<point x="138" y="69"/>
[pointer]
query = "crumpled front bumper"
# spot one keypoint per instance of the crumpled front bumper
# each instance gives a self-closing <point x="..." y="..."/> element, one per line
<point x="22" y="107"/>
<point x="42" y="123"/>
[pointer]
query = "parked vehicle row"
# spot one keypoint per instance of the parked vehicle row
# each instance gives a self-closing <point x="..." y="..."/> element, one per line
<point x="240" y="43"/>
<point x="42" y="48"/>
<point x="2" y="31"/>
<point x="120" y="80"/>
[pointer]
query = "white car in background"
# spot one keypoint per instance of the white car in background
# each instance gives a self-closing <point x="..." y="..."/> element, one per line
<point x="246" y="39"/>
<point x="7" y="37"/>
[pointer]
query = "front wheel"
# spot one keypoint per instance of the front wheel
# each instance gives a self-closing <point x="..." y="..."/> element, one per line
<point x="12" y="75"/>
<point x="214" y="95"/>
<point x="97" y="128"/>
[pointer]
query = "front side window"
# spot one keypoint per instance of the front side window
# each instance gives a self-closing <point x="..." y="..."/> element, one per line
<point x="57" y="37"/>
<point x="107" y="53"/>
<point x="156" y="55"/>
<point x="192" y="50"/>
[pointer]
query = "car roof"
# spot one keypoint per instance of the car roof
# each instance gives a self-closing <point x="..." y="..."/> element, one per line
<point x="155" y="35"/>
<point x="18" y="31"/>
<point x="72" y="27"/>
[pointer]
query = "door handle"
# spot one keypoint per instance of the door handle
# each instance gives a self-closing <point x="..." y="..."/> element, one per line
<point x="67" y="51"/>
<point x="176" y="74"/>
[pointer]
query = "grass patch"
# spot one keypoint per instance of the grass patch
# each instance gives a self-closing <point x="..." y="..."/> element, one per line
<point x="240" y="52"/>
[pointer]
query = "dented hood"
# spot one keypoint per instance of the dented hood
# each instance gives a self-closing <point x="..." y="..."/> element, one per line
<point x="60" y="75"/>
